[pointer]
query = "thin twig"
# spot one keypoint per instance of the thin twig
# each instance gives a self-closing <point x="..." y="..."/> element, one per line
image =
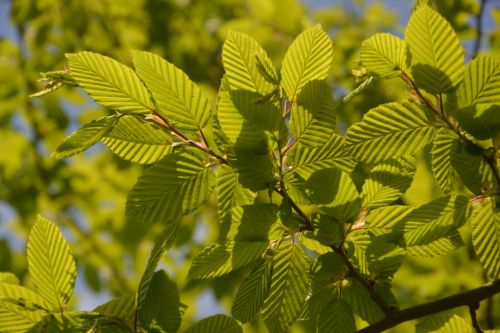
<point x="307" y="225"/>
<point x="473" y="296"/>
<point x="386" y="309"/>
<point x="472" y="311"/>
<point x="479" y="28"/>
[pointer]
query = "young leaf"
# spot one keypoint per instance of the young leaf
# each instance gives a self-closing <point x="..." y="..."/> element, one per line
<point x="121" y="307"/>
<point x="387" y="182"/>
<point x="442" y="151"/>
<point x="110" y="83"/>
<point x="480" y="120"/>
<point x="443" y="323"/>
<point x="384" y="219"/>
<point x="224" y="257"/>
<point x="337" y="316"/>
<point x="216" y="323"/>
<point x="384" y="55"/>
<point x="312" y="120"/>
<point x="50" y="264"/>
<point x="289" y="285"/>
<point x="439" y="247"/>
<point x="481" y="83"/>
<point x="245" y="122"/>
<point x="439" y="218"/>
<point x="437" y="57"/>
<point x="239" y="57"/>
<point x="230" y="192"/>
<point x="485" y="224"/>
<point x="308" y="58"/>
<point x="137" y="141"/>
<point x="15" y="319"/>
<point x="390" y="130"/>
<point x="30" y="298"/>
<point x="254" y="171"/>
<point x="175" y="186"/>
<point x="179" y="100"/>
<point x="346" y="201"/>
<point x="252" y="293"/>
<point x="161" y="245"/>
<point x="85" y="137"/>
<point x="161" y="305"/>
<point x="361" y="303"/>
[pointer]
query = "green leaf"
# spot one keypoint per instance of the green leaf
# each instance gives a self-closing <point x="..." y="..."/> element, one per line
<point x="384" y="55"/>
<point x="361" y="303"/>
<point x="439" y="247"/>
<point x="217" y="323"/>
<point x="239" y="57"/>
<point x="179" y="100"/>
<point x="175" y="186"/>
<point x="14" y="318"/>
<point x="258" y="222"/>
<point x="312" y="120"/>
<point x="308" y="58"/>
<point x="29" y="298"/>
<point x="160" y="247"/>
<point x="384" y="258"/>
<point x="230" y="192"/>
<point x="337" y="316"/>
<point x="346" y="201"/>
<point x="384" y="219"/>
<point x="138" y="141"/>
<point x="390" y="130"/>
<point x="252" y="293"/>
<point x="480" y="120"/>
<point x="85" y="137"/>
<point x="110" y="83"/>
<point x="8" y="277"/>
<point x="443" y="323"/>
<point x="387" y="182"/>
<point x="437" y="57"/>
<point x="481" y="83"/>
<point x="225" y="257"/>
<point x="485" y="224"/>
<point x="245" y="122"/>
<point x="357" y="243"/>
<point x="53" y="81"/>
<point x="161" y="306"/>
<point x="442" y="150"/>
<point x="468" y="161"/>
<point x="50" y="264"/>
<point x="439" y="218"/>
<point x="289" y="286"/>
<point x="121" y="307"/>
<point x="254" y="171"/>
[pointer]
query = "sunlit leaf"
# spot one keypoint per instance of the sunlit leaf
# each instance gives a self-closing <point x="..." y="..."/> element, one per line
<point x="109" y="82"/>
<point x="437" y="57"/>
<point x="50" y="263"/>
<point x="389" y="131"/>
<point x="481" y="83"/>
<point x="230" y="192"/>
<point x="179" y="100"/>
<point x="337" y="316"/>
<point x="308" y="58"/>
<point x="384" y="55"/>
<point x="216" y="323"/>
<point x="15" y="319"/>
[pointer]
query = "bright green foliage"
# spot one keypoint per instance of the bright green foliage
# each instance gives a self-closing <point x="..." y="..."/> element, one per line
<point x="313" y="225"/>
<point x="50" y="263"/>
<point x="437" y="57"/>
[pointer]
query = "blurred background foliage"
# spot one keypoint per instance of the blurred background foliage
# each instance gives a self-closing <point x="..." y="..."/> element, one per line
<point x="85" y="195"/>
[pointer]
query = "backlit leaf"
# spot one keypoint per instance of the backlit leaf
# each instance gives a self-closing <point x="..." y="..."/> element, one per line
<point x="384" y="55"/>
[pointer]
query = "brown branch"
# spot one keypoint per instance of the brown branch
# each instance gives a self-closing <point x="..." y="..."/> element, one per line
<point x="305" y="226"/>
<point x="472" y="311"/>
<point x="467" y="298"/>
<point x="386" y="309"/>
<point x="479" y="28"/>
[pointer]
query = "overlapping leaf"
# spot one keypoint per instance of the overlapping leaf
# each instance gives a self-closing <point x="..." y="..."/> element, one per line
<point x="50" y="264"/>
<point x="481" y="83"/>
<point x="289" y="285"/>
<point x="239" y="57"/>
<point x="384" y="55"/>
<point x="174" y="186"/>
<point x="30" y="298"/>
<point x="224" y="257"/>
<point x="390" y="130"/>
<point x="337" y="316"/>
<point x="121" y="307"/>
<point x="308" y="58"/>
<point x="110" y="83"/>
<point x="252" y="293"/>
<point x="216" y="323"/>
<point x="437" y="57"/>
<point x="85" y="137"/>
<point x="383" y="220"/>
<point x="442" y="151"/>
<point x="439" y="247"/>
<point x="137" y="141"/>
<point x="312" y="120"/>
<point x="485" y="224"/>
<point x="361" y="303"/>
<point x="179" y="100"/>
<point x="387" y="182"/>
<point x="230" y="192"/>
<point x="15" y="319"/>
